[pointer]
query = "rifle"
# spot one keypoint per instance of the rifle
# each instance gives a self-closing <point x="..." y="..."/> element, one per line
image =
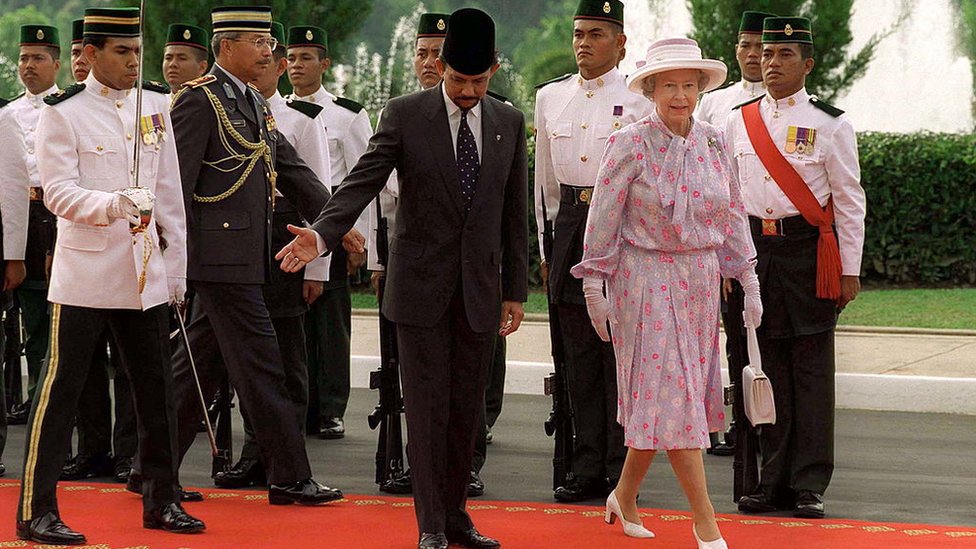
<point x="559" y="424"/>
<point x="386" y="414"/>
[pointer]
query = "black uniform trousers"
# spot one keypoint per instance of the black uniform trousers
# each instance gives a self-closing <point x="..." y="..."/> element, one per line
<point x="236" y="317"/>
<point x="142" y="337"/>
<point x="328" y="331"/>
<point x="494" y="396"/>
<point x="32" y="294"/>
<point x="96" y="434"/>
<point x="591" y="367"/>
<point x="444" y="369"/>
<point x="3" y="389"/>
<point x="796" y="340"/>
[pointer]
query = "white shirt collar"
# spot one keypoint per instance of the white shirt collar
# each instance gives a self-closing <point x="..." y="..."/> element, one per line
<point x="605" y="79"/>
<point x="95" y="87"/>
<point x="454" y="110"/>
<point x="320" y="96"/>
<point x="755" y="88"/>
<point x="39" y="97"/>
<point x="798" y="98"/>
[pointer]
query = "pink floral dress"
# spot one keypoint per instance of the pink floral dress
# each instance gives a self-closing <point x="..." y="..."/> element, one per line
<point x="665" y="221"/>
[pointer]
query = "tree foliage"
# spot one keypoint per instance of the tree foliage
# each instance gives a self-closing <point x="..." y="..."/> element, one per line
<point x="10" y="23"/>
<point x="966" y="36"/>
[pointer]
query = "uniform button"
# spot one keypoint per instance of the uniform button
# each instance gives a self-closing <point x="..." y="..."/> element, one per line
<point x="769" y="210"/>
<point x="768" y="178"/>
<point x="30" y="151"/>
<point x="791" y="101"/>
<point x="584" y="158"/>
<point x="554" y="134"/>
<point x="226" y="225"/>
<point x="128" y="136"/>
<point x="118" y="104"/>
<point x="99" y="148"/>
<point x="583" y="125"/>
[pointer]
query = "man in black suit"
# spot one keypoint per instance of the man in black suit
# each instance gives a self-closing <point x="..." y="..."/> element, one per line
<point x="458" y="257"/>
<point x="232" y="160"/>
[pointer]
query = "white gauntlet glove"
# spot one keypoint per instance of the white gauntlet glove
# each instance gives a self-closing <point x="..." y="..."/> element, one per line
<point x="177" y="289"/>
<point x="123" y="208"/>
<point x="598" y="307"/>
<point x="752" y="310"/>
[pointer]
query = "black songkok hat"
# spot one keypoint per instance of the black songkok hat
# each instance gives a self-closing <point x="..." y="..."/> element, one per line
<point x="601" y="10"/>
<point x="787" y="30"/>
<point x="117" y="22"/>
<point x="181" y="34"/>
<point x="432" y="25"/>
<point x="752" y="22"/>
<point x="77" y="31"/>
<point x="469" y="46"/>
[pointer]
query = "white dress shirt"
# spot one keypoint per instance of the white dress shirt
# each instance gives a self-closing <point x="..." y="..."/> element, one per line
<point x="454" y="119"/>
<point x="14" y="197"/>
<point x="716" y="106"/>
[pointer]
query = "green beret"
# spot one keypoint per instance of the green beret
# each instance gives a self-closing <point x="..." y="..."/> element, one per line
<point x="77" y="31"/>
<point x="432" y="25"/>
<point x="278" y="32"/>
<point x="752" y="21"/>
<point x="601" y="10"/>
<point x="120" y="22"/>
<point x="306" y="35"/>
<point x="181" y="34"/>
<point x="241" y="19"/>
<point x="787" y="30"/>
<point x="39" y="35"/>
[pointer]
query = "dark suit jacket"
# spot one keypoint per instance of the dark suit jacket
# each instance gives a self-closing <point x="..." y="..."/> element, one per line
<point x="436" y="245"/>
<point x="230" y="240"/>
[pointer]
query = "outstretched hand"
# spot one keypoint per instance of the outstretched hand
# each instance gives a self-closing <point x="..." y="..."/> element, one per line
<point x="300" y="251"/>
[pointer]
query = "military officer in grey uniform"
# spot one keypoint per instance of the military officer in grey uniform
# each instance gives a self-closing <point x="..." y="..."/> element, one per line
<point x="38" y="67"/>
<point x="714" y="108"/>
<point x="233" y="159"/>
<point x="110" y="270"/>
<point x="329" y="320"/>
<point x="797" y="160"/>
<point x="288" y="294"/>
<point x="574" y="115"/>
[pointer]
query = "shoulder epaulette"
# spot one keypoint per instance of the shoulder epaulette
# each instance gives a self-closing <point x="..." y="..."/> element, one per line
<point x="753" y="100"/>
<point x="61" y="95"/>
<point x="152" y="85"/>
<point x="310" y="110"/>
<point x="723" y="86"/>
<point x="827" y="108"/>
<point x="498" y="96"/>
<point x="554" y="80"/>
<point x="3" y="103"/>
<point x="202" y="81"/>
<point x="348" y="104"/>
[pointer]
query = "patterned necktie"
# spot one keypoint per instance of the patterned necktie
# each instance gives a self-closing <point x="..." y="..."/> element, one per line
<point x="467" y="161"/>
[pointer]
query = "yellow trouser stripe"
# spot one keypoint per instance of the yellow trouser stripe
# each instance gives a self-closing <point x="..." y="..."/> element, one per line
<point x="42" y="402"/>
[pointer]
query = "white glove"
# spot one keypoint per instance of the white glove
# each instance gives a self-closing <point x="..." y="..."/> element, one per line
<point x="124" y="208"/>
<point x="752" y="310"/>
<point x="177" y="289"/>
<point x="598" y="307"/>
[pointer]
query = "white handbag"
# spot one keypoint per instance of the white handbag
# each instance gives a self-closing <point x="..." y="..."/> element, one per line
<point x="757" y="391"/>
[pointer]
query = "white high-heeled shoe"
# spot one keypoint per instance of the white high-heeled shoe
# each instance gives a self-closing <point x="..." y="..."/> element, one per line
<point x="632" y="529"/>
<point x="714" y="544"/>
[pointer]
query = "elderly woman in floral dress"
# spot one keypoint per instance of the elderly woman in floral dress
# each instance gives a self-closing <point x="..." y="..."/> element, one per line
<point x="665" y="223"/>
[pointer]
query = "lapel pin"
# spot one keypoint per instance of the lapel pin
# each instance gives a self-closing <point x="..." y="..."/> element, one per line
<point x="498" y="137"/>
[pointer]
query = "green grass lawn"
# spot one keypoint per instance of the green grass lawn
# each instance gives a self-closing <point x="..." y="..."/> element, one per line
<point x="948" y="308"/>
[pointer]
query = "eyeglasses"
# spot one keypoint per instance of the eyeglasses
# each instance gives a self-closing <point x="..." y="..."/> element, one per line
<point x="259" y="43"/>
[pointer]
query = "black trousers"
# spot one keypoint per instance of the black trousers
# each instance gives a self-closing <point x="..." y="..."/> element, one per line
<point x="3" y="391"/>
<point x="592" y="374"/>
<point x="494" y="396"/>
<point x="236" y="318"/>
<point x="96" y="434"/>
<point x="444" y="370"/>
<point x="328" y="331"/>
<point x="144" y="347"/>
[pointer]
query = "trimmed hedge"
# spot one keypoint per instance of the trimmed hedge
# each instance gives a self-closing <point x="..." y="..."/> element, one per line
<point x="921" y="219"/>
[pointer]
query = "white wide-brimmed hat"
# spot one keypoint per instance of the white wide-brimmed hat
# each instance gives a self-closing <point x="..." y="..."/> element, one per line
<point x="676" y="54"/>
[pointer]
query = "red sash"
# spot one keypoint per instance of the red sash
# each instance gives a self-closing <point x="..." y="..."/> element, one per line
<point x="793" y="186"/>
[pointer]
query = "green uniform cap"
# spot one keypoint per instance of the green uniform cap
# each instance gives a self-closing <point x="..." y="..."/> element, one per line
<point x="77" y="31"/>
<point x="278" y="32"/>
<point x="601" y="10"/>
<point x="432" y="25"/>
<point x="306" y="35"/>
<point x="181" y="34"/>
<point x="241" y="19"/>
<point x="787" y="30"/>
<point x="752" y="22"/>
<point x="39" y="35"/>
<point x="120" y="22"/>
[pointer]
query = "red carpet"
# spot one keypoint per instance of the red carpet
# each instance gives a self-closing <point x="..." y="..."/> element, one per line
<point x="111" y="518"/>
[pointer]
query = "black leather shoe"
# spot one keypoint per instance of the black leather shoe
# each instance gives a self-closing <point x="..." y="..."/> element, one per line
<point x="577" y="490"/>
<point x="84" y="466"/>
<point x="723" y="449"/>
<point x="332" y="428"/>
<point x="432" y="541"/>
<point x="189" y="495"/>
<point x="245" y="473"/>
<point x="400" y="485"/>
<point x="809" y="505"/>
<point x="122" y="468"/>
<point x="172" y="518"/>
<point x="475" y="486"/>
<point x="134" y="485"/>
<point x="3" y="469"/>
<point x="303" y="492"/>
<point x="473" y="539"/>
<point x="756" y="503"/>
<point x="48" y="528"/>
<point x="18" y="413"/>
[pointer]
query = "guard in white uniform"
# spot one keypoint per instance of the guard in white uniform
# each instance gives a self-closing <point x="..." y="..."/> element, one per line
<point x="574" y="116"/>
<point x="109" y="271"/>
<point x="328" y="325"/>
<point x="185" y="55"/>
<point x="803" y="287"/>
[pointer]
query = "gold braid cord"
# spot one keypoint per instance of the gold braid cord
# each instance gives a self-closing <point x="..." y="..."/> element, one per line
<point x="258" y="150"/>
<point x="147" y="250"/>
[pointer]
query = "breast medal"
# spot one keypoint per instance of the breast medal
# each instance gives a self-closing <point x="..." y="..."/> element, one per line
<point x="800" y="140"/>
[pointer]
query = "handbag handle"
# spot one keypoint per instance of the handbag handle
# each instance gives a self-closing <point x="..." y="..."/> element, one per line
<point x="752" y="342"/>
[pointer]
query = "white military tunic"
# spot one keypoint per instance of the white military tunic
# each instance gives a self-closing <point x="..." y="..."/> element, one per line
<point x="715" y="107"/>
<point x="14" y="198"/>
<point x="310" y="139"/>
<point x="85" y="146"/>
<point x="26" y="110"/>
<point x="830" y="169"/>
<point x="573" y="119"/>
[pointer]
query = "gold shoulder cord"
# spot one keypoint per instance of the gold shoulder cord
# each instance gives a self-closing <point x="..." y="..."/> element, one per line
<point x="258" y="150"/>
